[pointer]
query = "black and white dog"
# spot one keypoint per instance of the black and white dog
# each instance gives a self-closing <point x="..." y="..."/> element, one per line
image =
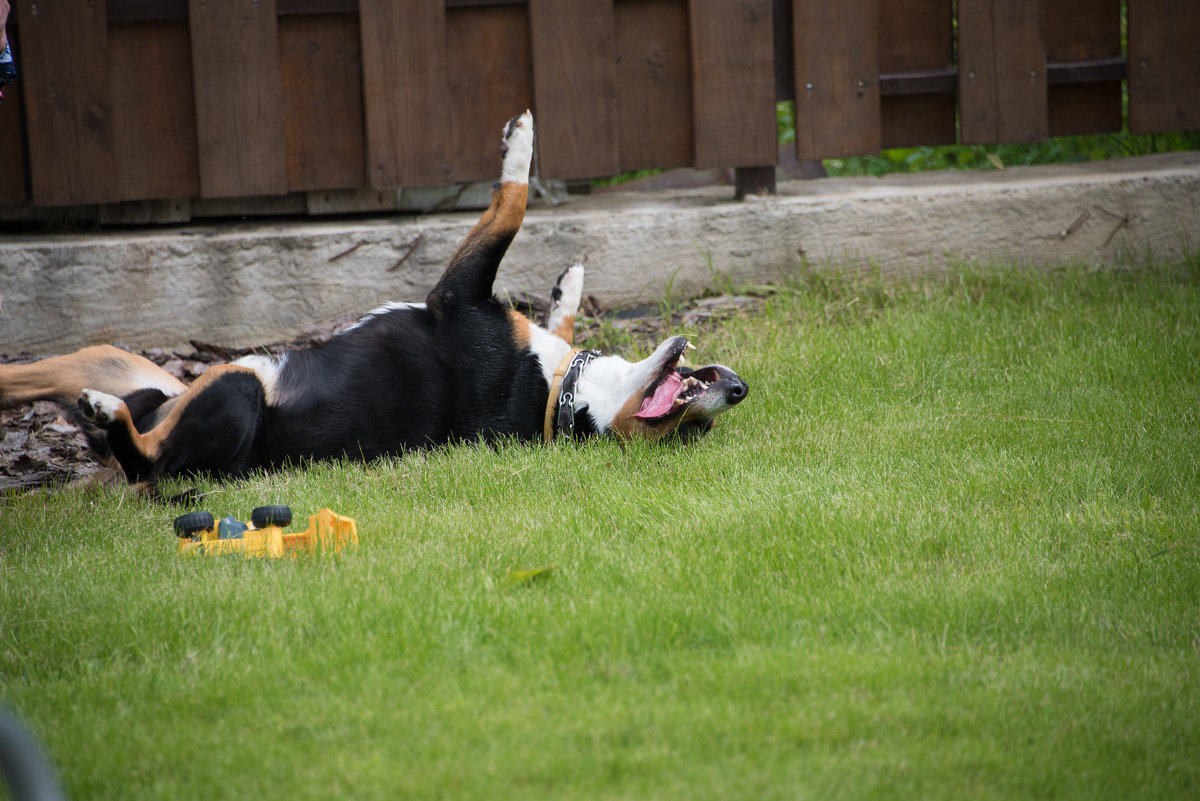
<point x="461" y="366"/>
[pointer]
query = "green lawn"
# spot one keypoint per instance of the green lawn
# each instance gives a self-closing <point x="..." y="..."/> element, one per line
<point x="946" y="549"/>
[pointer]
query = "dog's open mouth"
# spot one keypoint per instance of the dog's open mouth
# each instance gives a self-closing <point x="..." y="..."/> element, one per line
<point x="708" y="390"/>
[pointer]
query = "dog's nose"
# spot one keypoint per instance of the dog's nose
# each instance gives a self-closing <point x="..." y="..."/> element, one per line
<point x="737" y="392"/>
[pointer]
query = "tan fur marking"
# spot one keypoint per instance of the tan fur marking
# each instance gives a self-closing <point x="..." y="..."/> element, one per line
<point x="566" y="329"/>
<point x="101" y="367"/>
<point x="505" y="213"/>
<point x="513" y="198"/>
<point x="521" y="335"/>
<point x="627" y="426"/>
<point x="160" y="414"/>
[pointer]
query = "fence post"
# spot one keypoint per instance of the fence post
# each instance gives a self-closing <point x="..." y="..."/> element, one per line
<point x="733" y="69"/>
<point x="753" y="181"/>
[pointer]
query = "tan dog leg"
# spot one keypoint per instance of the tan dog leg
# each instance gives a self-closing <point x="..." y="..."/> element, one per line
<point x="63" y="378"/>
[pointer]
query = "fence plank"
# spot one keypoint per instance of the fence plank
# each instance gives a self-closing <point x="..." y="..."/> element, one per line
<point x="1002" y="71"/>
<point x="654" y="84"/>
<point x="154" y="109"/>
<point x="68" y="107"/>
<point x="837" y="78"/>
<point x="405" y="91"/>
<point x="1164" y="66"/>
<point x="1083" y="30"/>
<point x="321" y="74"/>
<point x="12" y="162"/>
<point x="733" y="83"/>
<point x="487" y="50"/>
<point x="917" y="120"/>
<point x="917" y="36"/>
<point x="239" y="106"/>
<point x="574" y="87"/>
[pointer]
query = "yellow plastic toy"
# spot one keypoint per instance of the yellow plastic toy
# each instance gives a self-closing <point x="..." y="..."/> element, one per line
<point x="327" y="532"/>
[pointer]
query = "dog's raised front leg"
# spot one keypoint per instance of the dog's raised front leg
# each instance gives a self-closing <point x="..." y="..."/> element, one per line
<point x="472" y="270"/>
<point x="564" y="303"/>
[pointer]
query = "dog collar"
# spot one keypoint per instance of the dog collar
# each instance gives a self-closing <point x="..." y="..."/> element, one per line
<point x="560" y="406"/>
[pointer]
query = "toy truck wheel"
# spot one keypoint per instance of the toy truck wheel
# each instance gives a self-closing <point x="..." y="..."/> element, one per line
<point x="193" y="523"/>
<point x="271" y="516"/>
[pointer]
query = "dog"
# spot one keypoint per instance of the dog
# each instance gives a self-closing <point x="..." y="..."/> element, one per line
<point x="462" y="366"/>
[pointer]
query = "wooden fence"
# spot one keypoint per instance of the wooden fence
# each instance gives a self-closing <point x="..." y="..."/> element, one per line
<point x="136" y="100"/>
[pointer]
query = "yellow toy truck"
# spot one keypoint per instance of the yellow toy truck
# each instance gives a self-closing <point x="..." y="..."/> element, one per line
<point x="199" y="534"/>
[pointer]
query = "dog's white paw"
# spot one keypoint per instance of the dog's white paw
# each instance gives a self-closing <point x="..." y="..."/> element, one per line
<point x="564" y="303"/>
<point x="517" y="149"/>
<point x="568" y="291"/>
<point x="99" y="407"/>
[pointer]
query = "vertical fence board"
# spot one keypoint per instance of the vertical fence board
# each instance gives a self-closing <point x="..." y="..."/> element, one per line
<point x="1085" y="108"/>
<point x="1002" y="71"/>
<point x="654" y="84"/>
<point x="321" y="74"/>
<point x="837" y="78"/>
<point x="239" y="105"/>
<point x="12" y="163"/>
<point x="574" y="86"/>
<point x="917" y="36"/>
<point x="406" y="92"/>
<point x="65" y="78"/>
<point x="918" y="120"/>
<point x="733" y="83"/>
<point x="1083" y="30"/>
<point x="491" y="81"/>
<point x="1164" y="65"/>
<point x="154" y="111"/>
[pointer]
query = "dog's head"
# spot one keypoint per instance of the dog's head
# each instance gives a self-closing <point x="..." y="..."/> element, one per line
<point x="658" y="396"/>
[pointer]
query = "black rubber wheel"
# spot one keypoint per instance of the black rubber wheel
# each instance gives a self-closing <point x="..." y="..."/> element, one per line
<point x="271" y="516"/>
<point x="192" y="523"/>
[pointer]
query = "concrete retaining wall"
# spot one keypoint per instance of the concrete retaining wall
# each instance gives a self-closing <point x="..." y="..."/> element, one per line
<point x="248" y="283"/>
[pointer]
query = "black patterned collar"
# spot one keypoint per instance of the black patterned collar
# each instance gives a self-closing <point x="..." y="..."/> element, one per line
<point x="560" y="406"/>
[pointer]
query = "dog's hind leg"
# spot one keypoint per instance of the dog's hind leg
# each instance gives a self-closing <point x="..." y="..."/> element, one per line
<point x="103" y="367"/>
<point x="472" y="270"/>
<point x="564" y="303"/>
<point x="211" y="427"/>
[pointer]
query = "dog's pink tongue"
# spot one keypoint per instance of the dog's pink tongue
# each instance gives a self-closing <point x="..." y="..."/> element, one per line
<point x="663" y="398"/>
